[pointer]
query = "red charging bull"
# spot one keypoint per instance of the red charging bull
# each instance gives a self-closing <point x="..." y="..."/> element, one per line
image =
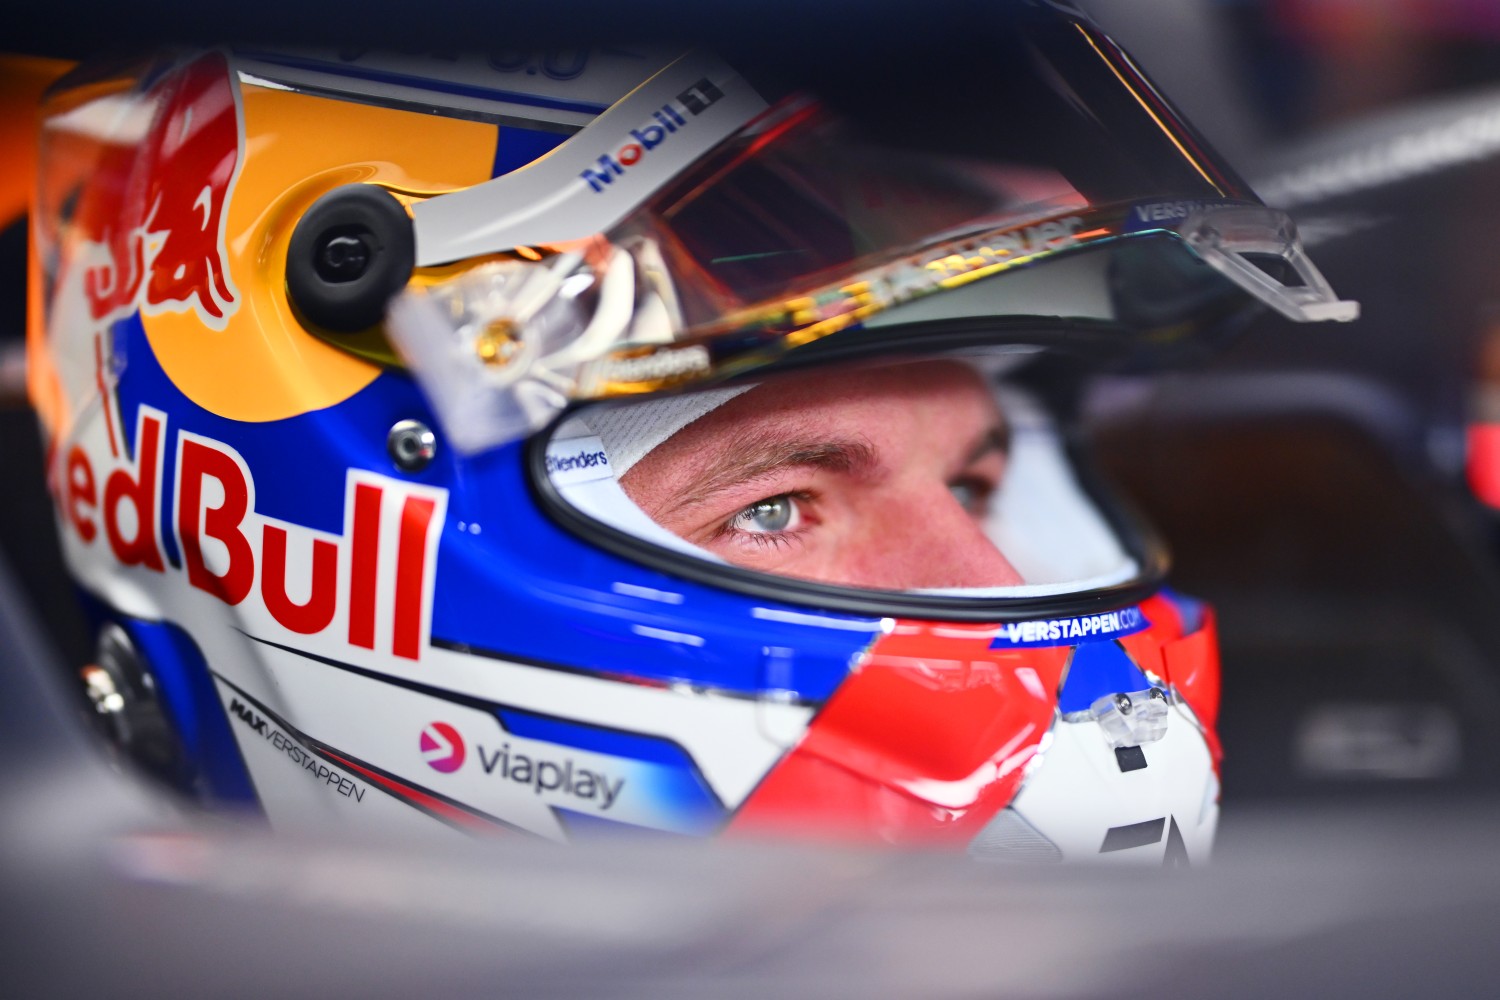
<point x="158" y="204"/>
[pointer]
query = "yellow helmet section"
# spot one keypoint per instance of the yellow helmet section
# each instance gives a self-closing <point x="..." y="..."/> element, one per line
<point x="263" y="365"/>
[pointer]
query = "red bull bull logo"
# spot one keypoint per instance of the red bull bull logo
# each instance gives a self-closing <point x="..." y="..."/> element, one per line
<point x="158" y="203"/>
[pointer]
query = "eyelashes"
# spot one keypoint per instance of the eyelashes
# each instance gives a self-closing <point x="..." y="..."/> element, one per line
<point x="771" y="515"/>
<point x="771" y="522"/>
<point x="799" y="517"/>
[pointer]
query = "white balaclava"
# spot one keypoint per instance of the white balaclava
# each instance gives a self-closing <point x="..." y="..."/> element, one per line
<point x="630" y="433"/>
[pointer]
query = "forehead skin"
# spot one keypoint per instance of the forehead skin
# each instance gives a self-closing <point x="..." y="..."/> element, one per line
<point x="886" y="441"/>
<point x="847" y="406"/>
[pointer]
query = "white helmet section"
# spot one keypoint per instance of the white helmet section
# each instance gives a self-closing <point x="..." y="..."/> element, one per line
<point x="580" y="467"/>
<point x="1089" y="796"/>
<point x="600" y="175"/>
<point x="558" y="89"/>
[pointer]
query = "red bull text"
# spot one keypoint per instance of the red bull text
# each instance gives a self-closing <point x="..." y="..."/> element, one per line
<point x="369" y="586"/>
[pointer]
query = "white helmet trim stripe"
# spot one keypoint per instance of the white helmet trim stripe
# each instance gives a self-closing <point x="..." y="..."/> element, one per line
<point x="599" y="176"/>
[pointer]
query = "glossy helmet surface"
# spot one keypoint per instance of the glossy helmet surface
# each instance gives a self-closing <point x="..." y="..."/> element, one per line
<point x="321" y="351"/>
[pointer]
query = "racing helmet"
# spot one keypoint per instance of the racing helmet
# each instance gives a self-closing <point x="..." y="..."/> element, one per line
<point x="374" y="387"/>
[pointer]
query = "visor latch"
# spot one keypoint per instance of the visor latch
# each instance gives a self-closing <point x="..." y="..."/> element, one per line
<point x="1227" y="237"/>
<point x="1131" y="719"/>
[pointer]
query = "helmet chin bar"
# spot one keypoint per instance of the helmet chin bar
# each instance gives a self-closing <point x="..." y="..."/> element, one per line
<point x="1224" y="236"/>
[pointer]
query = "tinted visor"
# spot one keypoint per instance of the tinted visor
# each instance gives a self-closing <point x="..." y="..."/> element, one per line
<point x="805" y="199"/>
<point x="1053" y="120"/>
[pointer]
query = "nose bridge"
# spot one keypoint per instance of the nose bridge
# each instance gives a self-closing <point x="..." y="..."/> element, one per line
<point x="932" y="541"/>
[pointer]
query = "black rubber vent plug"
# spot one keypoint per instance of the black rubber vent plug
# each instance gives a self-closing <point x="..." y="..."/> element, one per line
<point x="351" y="252"/>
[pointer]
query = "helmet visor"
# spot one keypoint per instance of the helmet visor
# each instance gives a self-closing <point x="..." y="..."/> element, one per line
<point x="717" y="220"/>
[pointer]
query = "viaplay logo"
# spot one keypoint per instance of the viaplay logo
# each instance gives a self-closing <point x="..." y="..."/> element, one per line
<point x="442" y="747"/>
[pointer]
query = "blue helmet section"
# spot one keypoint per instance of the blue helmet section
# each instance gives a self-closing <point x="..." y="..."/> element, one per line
<point x="675" y="782"/>
<point x="214" y="768"/>
<point x="510" y="582"/>
<point x="1097" y="669"/>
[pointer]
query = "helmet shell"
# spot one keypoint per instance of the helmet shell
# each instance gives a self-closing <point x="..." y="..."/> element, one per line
<point x="339" y="627"/>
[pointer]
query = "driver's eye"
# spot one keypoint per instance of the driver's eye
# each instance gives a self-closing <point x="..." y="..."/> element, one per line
<point x="971" y="495"/>
<point x="768" y="515"/>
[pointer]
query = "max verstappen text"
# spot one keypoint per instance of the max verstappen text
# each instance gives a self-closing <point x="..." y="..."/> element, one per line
<point x="343" y="785"/>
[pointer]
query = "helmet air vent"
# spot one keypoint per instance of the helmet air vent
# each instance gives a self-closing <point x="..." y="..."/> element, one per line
<point x="351" y="252"/>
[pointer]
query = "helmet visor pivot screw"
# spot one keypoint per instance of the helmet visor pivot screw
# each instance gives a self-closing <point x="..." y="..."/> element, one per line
<point x="411" y="445"/>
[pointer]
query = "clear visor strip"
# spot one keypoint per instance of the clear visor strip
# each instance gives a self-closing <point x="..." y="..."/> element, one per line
<point x="437" y="329"/>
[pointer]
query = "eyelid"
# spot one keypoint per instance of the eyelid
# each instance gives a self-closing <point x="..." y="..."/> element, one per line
<point x="980" y="492"/>
<point x="844" y="456"/>
<point x="996" y="441"/>
<point x="801" y="502"/>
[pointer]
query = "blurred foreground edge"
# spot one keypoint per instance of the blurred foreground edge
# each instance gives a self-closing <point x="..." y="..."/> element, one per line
<point x="111" y="890"/>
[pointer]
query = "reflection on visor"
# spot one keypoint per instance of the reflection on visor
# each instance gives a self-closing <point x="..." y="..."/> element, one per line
<point x="505" y="347"/>
<point x="798" y="200"/>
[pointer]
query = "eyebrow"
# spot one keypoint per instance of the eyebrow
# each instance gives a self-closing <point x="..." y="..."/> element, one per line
<point x="745" y="464"/>
<point x="997" y="438"/>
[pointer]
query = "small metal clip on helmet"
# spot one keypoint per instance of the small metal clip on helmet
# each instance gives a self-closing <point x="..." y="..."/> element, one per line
<point x="601" y="438"/>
